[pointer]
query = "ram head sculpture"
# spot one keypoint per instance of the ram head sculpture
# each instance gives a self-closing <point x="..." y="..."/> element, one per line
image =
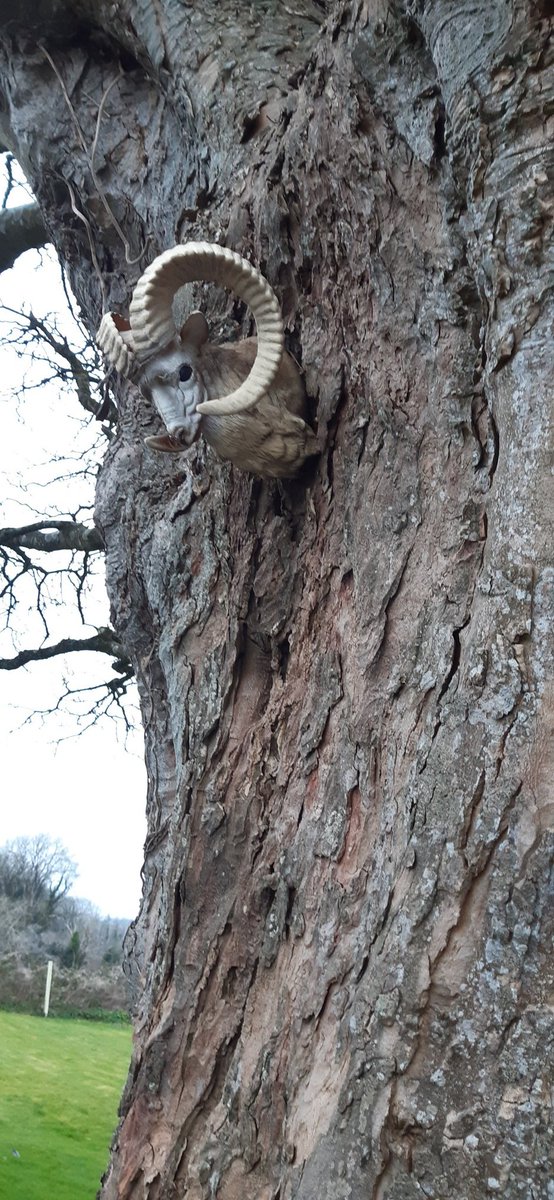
<point x="247" y="398"/>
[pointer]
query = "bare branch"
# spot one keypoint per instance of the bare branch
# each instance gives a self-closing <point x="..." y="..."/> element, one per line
<point x="21" y="229"/>
<point x="34" y="329"/>
<point x="51" y="536"/>
<point x="51" y="356"/>
<point x="79" y="371"/>
<point x="105" y="700"/>
<point x="10" y="181"/>
<point x="104" y="640"/>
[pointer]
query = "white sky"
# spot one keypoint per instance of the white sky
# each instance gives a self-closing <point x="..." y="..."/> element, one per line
<point x="88" y="790"/>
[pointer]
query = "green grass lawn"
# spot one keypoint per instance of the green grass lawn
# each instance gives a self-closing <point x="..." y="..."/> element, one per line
<point x="60" y="1084"/>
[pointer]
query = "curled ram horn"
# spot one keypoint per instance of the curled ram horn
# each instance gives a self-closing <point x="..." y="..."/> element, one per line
<point x="115" y="340"/>
<point x="153" y="327"/>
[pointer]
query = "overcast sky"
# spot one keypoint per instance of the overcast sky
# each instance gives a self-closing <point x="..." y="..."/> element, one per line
<point x="87" y="790"/>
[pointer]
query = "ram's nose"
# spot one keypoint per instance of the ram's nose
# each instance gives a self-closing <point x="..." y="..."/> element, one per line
<point x="185" y="435"/>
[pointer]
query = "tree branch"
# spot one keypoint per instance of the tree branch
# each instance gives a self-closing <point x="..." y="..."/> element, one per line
<point x="52" y="535"/>
<point x="104" y="640"/>
<point x="79" y="371"/>
<point x="32" y="329"/>
<point x="21" y="229"/>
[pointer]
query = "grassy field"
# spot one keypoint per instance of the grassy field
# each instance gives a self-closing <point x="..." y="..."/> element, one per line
<point x="60" y="1083"/>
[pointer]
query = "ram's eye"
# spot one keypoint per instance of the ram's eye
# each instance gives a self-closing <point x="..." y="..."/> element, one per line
<point x="185" y="372"/>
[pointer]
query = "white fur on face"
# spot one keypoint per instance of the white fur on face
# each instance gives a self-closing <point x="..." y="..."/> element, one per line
<point x="175" y="399"/>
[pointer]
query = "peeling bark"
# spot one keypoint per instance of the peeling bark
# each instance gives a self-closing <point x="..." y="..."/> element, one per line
<point x="340" y="964"/>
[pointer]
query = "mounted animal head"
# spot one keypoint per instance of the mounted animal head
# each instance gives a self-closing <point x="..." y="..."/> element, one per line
<point x="247" y="398"/>
<point x="165" y="362"/>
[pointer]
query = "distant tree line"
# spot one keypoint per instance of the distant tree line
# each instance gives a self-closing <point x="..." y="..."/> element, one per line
<point x="40" y="920"/>
<point x="36" y="871"/>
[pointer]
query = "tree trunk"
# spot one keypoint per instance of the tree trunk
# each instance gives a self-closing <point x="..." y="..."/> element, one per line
<point x="340" y="964"/>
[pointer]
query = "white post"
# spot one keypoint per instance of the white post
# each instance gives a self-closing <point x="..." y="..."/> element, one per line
<point x="48" y="986"/>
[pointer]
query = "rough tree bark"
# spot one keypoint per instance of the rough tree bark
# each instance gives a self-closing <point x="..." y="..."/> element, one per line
<point x="341" y="962"/>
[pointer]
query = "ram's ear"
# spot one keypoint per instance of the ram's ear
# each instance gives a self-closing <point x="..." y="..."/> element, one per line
<point x="164" y="442"/>
<point x="195" y="331"/>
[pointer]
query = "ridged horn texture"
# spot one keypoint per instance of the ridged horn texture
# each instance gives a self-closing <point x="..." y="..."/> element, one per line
<point x="119" y="352"/>
<point x="152" y="321"/>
